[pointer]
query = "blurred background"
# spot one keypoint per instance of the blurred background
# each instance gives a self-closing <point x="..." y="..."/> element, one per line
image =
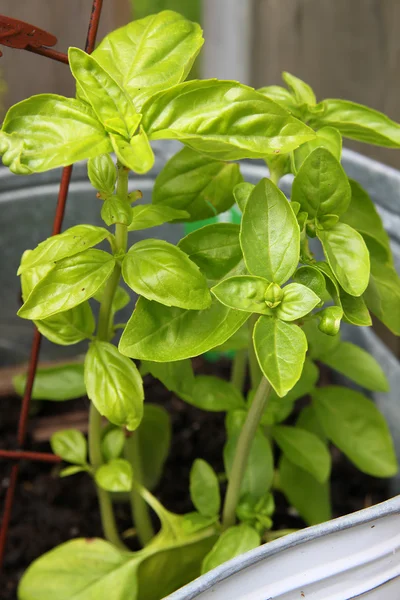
<point x="346" y="49"/>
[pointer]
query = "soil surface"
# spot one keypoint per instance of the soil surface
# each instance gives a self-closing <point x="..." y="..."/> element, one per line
<point x="49" y="510"/>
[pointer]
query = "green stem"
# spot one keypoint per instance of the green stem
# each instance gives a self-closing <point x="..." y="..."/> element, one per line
<point x="140" y="511"/>
<point x="255" y="371"/>
<point x="239" y="366"/>
<point x="242" y="452"/>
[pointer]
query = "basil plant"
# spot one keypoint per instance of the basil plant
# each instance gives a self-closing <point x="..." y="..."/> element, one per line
<point x="256" y="288"/>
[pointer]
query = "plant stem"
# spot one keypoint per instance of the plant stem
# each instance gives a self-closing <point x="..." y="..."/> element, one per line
<point x="140" y="511"/>
<point x="238" y="372"/>
<point x="255" y="371"/>
<point x="243" y="447"/>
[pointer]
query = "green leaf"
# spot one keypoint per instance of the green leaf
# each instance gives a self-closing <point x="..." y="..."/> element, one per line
<point x="70" y="445"/>
<point x="297" y="301"/>
<point x="154" y="441"/>
<point x="269" y="234"/>
<point x="304" y="449"/>
<point x="116" y="210"/>
<point x="114" y="385"/>
<point x="312" y="278"/>
<point x="72" y="281"/>
<point x="150" y="54"/>
<point x="321" y="186"/>
<point x="319" y="343"/>
<point x="281" y="96"/>
<point x="204" y="488"/>
<point x="112" y="105"/>
<point x="310" y="498"/>
<point x="102" y="173"/>
<point x="242" y="192"/>
<point x="160" y="333"/>
<point x="355" y="310"/>
<point x="73" y="470"/>
<point x="149" y="215"/>
<point x="135" y="154"/>
<point x="223" y="119"/>
<point x="115" y="476"/>
<point x="244" y="292"/>
<point x="308" y="420"/>
<point x="69" y="243"/>
<point x="382" y="295"/>
<point x="358" y="122"/>
<point x="214" y="394"/>
<point x="233" y="542"/>
<point x="301" y="91"/>
<point x="347" y="256"/>
<point x="238" y="341"/>
<point x="69" y="327"/>
<point x="177" y="376"/>
<point x="358" y="365"/>
<point x="197" y="184"/>
<point x="355" y="426"/>
<point x="327" y="137"/>
<point x="330" y="319"/>
<point x="112" y="443"/>
<point x="280" y="348"/>
<point x="216" y="250"/>
<point x="160" y="271"/>
<point x="30" y="138"/>
<point x="59" y="383"/>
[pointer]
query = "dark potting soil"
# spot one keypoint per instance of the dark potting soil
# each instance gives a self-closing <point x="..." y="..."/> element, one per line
<point x="49" y="510"/>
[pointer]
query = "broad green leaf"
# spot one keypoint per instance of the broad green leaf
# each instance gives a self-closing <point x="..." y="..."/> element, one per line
<point x="115" y="476"/>
<point x="298" y="300"/>
<point x="233" y="542"/>
<point x="280" y="348"/>
<point x="319" y="343"/>
<point x="150" y="54"/>
<point x="358" y="122"/>
<point x="69" y="243"/>
<point x="177" y="376"/>
<point x="197" y="184"/>
<point x="347" y="256"/>
<point x="358" y="365"/>
<point x="112" y="105"/>
<point x="244" y="292"/>
<point x="112" y="443"/>
<point x="242" y="192"/>
<point x="135" y="154"/>
<point x="304" y="449"/>
<point x="321" y="186"/>
<point x="160" y="333"/>
<point x="31" y="277"/>
<point x="102" y="173"/>
<point x="116" y="210"/>
<point x="382" y="295"/>
<point x="30" y="138"/>
<point x="281" y="96"/>
<point x="160" y="271"/>
<point x="223" y="119"/>
<point x="308" y="420"/>
<point x="357" y="428"/>
<point x="238" y="341"/>
<point x="216" y="250"/>
<point x="69" y="327"/>
<point x="58" y="383"/>
<point x="70" y="445"/>
<point x="204" y="488"/>
<point x="301" y="91"/>
<point x="72" y="281"/>
<point x="327" y="137"/>
<point x="214" y="394"/>
<point x="312" y="278"/>
<point x="149" y="215"/>
<point x="114" y="385"/>
<point x="154" y="441"/>
<point x="355" y="310"/>
<point x="310" y="498"/>
<point x="269" y="234"/>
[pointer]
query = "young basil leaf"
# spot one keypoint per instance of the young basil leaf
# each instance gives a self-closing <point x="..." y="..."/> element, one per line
<point x="304" y="449"/>
<point x="330" y="319"/>
<point x="214" y="394"/>
<point x="358" y="365"/>
<point x="310" y="498"/>
<point x="382" y="295"/>
<point x="225" y="120"/>
<point x="72" y="281"/>
<point x="114" y="385"/>
<point x="58" y="383"/>
<point x="204" y="488"/>
<point x="160" y="333"/>
<point x="69" y="327"/>
<point x="216" y="250"/>
<point x="355" y="310"/>
<point x="327" y="137"/>
<point x="297" y="301"/>
<point x="70" y="445"/>
<point x="69" y="243"/>
<point x="115" y="476"/>
<point x="72" y="470"/>
<point x="116" y="210"/>
<point x="177" y="376"/>
<point x="160" y="271"/>
<point x="136" y="154"/>
<point x="355" y="426"/>
<point x="150" y="215"/>
<point x="358" y="122"/>
<point x="244" y="292"/>
<point x="197" y="184"/>
<point x="347" y="256"/>
<point x="281" y="96"/>
<point x="242" y="192"/>
<point x="112" y="443"/>
<point x="102" y="173"/>
<point x="321" y="186"/>
<point x="269" y="234"/>
<point x="30" y="139"/>
<point x="319" y="343"/>
<point x="154" y="441"/>
<point x="302" y="92"/>
<point x="233" y="542"/>
<point x="312" y="278"/>
<point x="283" y="366"/>
<point x="150" y="54"/>
<point x="110" y="102"/>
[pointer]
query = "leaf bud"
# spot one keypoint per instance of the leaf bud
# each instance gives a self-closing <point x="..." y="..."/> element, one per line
<point x="330" y="320"/>
<point x="273" y="295"/>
